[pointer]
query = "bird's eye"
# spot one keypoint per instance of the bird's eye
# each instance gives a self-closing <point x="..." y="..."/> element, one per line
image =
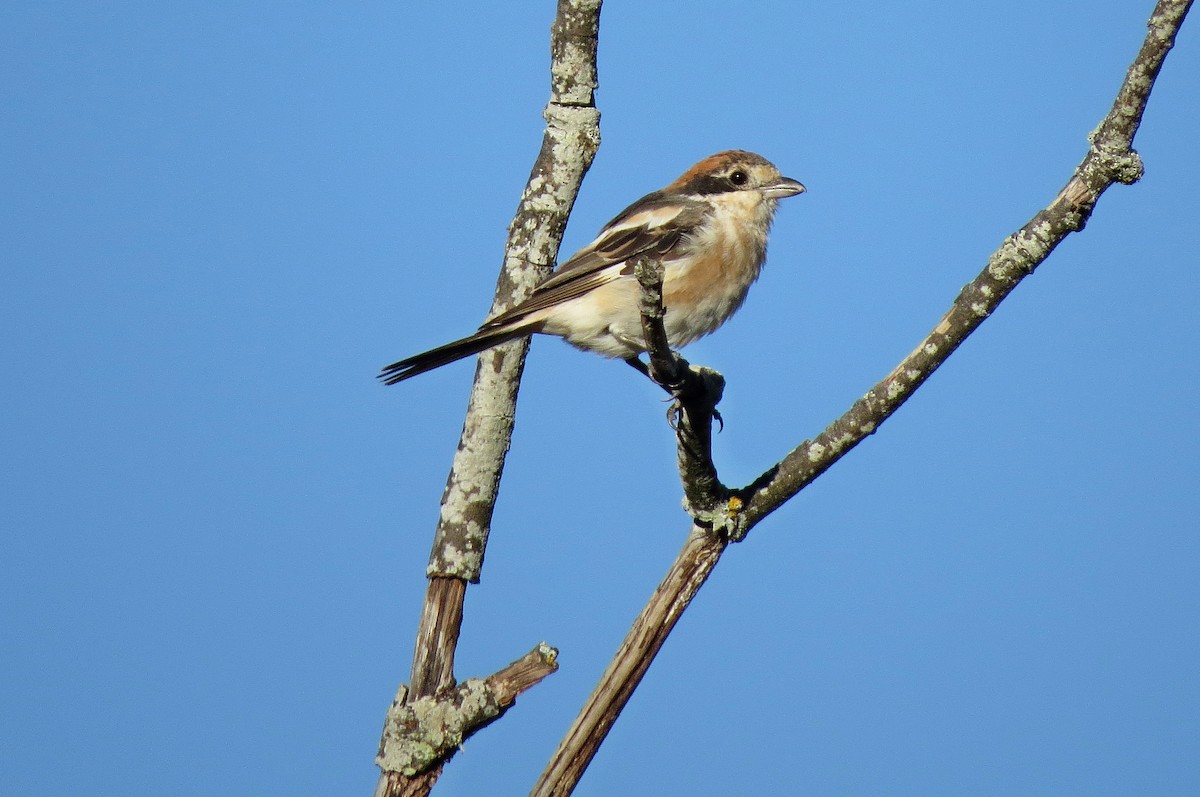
<point x="739" y="177"/>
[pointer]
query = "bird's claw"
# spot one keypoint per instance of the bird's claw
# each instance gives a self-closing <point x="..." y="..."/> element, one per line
<point x="675" y="414"/>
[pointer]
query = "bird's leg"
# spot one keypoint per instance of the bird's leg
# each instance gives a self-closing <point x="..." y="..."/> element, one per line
<point x="674" y="384"/>
<point x="635" y="362"/>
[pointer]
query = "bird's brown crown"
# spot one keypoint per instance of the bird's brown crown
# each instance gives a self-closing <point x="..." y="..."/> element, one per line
<point x="732" y="170"/>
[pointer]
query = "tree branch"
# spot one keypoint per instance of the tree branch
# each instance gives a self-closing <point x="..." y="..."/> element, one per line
<point x="419" y="733"/>
<point x="569" y="144"/>
<point x="696" y="389"/>
<point x="1110" y="159"/>
<point x="646" y="636"/>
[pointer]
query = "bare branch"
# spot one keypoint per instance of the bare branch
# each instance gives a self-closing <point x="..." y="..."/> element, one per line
<point x="696" y="389"/>
<point x="667" y="368"/>
<point x="649" y="631"/>
<point x="697" y="392"/>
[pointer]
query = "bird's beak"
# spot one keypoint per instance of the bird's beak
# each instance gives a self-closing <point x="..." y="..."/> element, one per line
<point x="786" y="186"/>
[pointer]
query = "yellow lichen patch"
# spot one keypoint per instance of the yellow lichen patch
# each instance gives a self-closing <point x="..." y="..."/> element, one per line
<point x="734" y="507"/>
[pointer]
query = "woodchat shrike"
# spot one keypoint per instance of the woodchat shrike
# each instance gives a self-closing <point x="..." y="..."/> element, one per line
<point x="708" y="229"/>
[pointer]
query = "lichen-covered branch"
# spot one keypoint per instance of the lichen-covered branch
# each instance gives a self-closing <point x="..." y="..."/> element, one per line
<point x="1110" y="159"/>
<point x="569" y="145"/>
<point x="419" y="733"/>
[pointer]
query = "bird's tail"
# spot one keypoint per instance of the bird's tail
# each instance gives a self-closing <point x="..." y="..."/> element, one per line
<point x="435" y="358"/>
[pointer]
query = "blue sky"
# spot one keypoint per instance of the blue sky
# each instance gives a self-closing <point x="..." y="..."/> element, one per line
<point x="222" y="218"/>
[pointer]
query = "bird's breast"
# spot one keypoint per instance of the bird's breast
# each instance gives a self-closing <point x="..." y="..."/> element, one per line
<point x="705" y="286"/>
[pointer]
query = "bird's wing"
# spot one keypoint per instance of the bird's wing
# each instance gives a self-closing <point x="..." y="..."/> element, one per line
<point x="652" y="226"/>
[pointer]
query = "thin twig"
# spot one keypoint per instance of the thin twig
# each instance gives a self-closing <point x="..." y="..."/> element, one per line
<point x="696" y="390"/>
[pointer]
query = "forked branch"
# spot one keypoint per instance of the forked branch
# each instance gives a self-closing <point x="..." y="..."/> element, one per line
<point x="569" y="144"/>
<point x="731" y="514"/>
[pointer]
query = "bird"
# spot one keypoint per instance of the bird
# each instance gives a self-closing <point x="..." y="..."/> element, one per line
<point x="709" y="230"/>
